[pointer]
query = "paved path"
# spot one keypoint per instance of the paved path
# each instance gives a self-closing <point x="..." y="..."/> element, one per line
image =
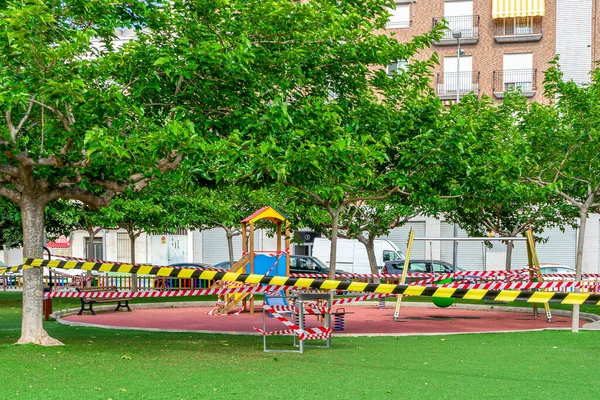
<point x="360" y="320"/>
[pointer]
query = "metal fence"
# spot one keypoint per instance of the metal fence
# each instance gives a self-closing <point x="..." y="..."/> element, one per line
<point x="467" y="81"/>
<point x="398" y="24"/>
<point x="518" y="26"/>
<point x="513" y="79"/>
<point x="467" y="25"/>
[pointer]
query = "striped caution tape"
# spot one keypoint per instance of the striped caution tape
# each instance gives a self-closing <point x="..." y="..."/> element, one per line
<point x="325" y="284"/>
<point x="165" y="293"/>
<point x="347" y="300"/>
<point x="303" y="334"/>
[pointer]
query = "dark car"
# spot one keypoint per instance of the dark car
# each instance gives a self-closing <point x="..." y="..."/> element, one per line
<point x="422" y="266"/>
<point x="298" y="265"/>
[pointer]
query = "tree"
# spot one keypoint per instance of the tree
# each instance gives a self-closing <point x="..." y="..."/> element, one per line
<point x="73" y="126"/>
<point x="368" y="221"/>
<point x="562" y="148"/>
<point x="349" y="136"/>
<point x="495" y="199"/>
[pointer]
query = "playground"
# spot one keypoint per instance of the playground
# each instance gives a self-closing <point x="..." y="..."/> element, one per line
<point x="98" y="363"/>
<point x="360" y="320"/>
<point x="167" y="347"/>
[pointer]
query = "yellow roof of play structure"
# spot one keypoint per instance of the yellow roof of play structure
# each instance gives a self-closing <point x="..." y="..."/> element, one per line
<point x="268" y="213"/>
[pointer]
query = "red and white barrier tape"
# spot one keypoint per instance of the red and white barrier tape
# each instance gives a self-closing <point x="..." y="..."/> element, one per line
<point x="347" y="300"/>
<point x="303" y="334"/>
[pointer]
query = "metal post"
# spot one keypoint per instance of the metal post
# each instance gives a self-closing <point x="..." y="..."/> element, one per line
<point x="457" y="35"/>
<point x="455" y="248"/>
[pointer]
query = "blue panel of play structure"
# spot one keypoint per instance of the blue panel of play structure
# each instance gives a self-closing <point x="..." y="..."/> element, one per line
<point x="268" y="265"/>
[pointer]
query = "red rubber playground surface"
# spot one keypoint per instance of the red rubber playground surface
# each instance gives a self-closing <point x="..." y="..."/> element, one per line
<point x="359" y="320"/>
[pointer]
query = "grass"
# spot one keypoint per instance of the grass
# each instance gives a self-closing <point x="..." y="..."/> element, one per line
<point x="109" y="364"/>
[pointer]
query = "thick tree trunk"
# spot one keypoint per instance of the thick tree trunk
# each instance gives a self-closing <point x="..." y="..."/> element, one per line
<point x="134" y="283"/>
<point x="509" y="249"/>
<point x="335" y="220"/>
<point x="583" y="215"/>
<point x="32" y="328"/>
<point x="230" y="247"/>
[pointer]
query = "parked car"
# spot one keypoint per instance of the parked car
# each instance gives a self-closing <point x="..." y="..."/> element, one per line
<point x="298" y="265"/>
<point x="422" y="266"/>
<point x="194" y="265"/>
<point x="556" y="269"/>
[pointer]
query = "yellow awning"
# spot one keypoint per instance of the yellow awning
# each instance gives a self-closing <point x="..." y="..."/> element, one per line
<point x="517" y="8"/>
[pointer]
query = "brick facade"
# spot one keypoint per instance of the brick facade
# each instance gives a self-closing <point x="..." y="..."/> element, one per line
<point x="487" y="54"/>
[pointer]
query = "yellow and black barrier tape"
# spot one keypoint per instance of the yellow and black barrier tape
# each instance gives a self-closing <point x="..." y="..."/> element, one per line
<point x="321" y="284"/>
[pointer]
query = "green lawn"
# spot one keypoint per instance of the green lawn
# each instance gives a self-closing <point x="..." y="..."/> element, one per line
<point x="109" y="364"/>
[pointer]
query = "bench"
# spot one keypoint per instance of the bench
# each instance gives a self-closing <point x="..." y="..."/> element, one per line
<point x="122" y="302"/>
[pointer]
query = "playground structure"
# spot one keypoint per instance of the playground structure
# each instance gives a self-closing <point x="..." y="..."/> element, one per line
<point x="249" y="257"/>
<point x="446" y="299"/>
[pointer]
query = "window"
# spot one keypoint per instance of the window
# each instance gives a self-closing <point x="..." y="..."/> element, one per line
<point x="442" y="268"/>
<point x="397" y="67"/>
<point x="464" y="78"/>
<point x="518" y="71"/>
<point x="400" y="16"/>
<point x="417" y="267"/>
<point x="389" y="255"/>
<point x="459" y="15"/>
<point x="123" y="247"/>
<point x="518" y="26"/>
<point x="98" y="250"/>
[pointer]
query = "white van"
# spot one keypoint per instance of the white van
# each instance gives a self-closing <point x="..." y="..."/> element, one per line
<point x="352" y="256"/>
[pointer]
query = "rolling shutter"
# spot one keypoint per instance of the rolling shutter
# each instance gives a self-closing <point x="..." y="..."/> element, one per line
<point x="561" y="248"/>
<point x="573" y="38"/>
<point x="471" y="255"/>
<point x="214" y="246"/>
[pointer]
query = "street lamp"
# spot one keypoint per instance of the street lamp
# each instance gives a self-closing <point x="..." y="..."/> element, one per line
<point x="457" y="35"/>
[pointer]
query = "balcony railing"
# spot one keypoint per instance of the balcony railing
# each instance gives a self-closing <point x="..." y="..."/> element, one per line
<point x="467" y="25"/>
<point x="398" y="24"/>
<point x="520" y="29"/>
<point x="467" y="81"/>
<point x="507" y="80"/>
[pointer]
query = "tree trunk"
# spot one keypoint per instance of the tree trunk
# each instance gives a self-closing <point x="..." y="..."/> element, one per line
<point x="230" y="246"/>
<point x="583" y="215"/>
<point x="370" y="246"/>
<point x="134" y="283"/>
<point x="509" y="249"/>
<point x="32" y="328"/>
<point x="335" y="220"/>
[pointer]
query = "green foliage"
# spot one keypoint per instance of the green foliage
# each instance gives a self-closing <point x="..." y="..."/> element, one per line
<point x="489" y="173"/>
<point x="60" y="217"/>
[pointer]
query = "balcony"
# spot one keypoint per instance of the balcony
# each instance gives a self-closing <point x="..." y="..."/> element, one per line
<point x="468" y="25"/>
<point x="398" y="24"/>
<point x="507" y="80"/>
<point x="446" y="84"/>
<point x="520" y="29"/>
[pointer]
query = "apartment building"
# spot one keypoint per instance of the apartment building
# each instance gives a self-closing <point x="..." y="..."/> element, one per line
<point x="494" y="46"/>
